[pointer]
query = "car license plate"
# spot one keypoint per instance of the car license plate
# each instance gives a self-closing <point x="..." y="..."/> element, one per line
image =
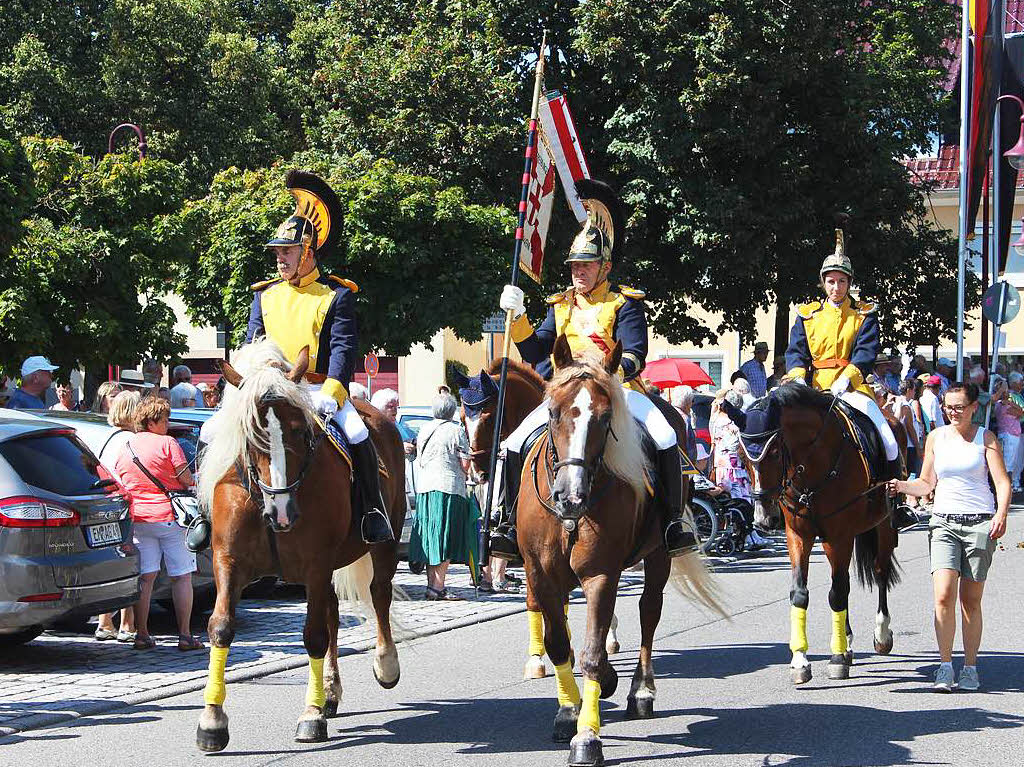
<point x="98" y="535"/>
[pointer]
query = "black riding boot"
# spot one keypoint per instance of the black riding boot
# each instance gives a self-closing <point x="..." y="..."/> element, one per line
<point x="503" y="537"/>
<point x="679" y="535"/>
<point x="374" y="525"/>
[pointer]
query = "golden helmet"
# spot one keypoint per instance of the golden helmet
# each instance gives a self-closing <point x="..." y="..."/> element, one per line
<point x="316" y="222"/>
<point x="605" y="229"/>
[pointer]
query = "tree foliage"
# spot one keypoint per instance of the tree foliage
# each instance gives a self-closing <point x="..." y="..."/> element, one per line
<point x="423" y="256"/>
<point x="84" y="282"/>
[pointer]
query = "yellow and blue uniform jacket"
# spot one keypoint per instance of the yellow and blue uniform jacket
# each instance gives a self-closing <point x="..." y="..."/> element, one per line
<point x="591" y="322"/>
<point x="832" y="341"/>
<point x="319" y="313"/>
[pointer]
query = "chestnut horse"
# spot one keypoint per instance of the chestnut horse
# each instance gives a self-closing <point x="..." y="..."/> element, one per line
<point x="585" y="514"/>
<point x="524" y="392"/>
<point x="279" y="495"/>
<point x="806" y="468"/>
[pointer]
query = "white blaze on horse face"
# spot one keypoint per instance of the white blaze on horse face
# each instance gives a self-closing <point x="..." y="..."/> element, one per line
<point x="278" y="462"/>
<point x="578" y="443"/>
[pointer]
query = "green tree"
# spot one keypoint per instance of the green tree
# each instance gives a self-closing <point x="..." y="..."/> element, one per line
<point x="84" y="284"/>
<point x="423" y="256"/>
<point x="15" y="190"/>
<point x="741" y="127"/>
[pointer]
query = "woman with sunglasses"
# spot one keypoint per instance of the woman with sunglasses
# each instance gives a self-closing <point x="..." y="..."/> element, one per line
<point x="966" y="522"/>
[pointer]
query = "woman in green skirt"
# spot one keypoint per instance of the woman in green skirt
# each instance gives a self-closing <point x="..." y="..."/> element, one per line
<point x="445" y="527"/>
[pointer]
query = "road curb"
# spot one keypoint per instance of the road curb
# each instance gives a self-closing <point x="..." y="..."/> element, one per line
<point x="39" y="721"/>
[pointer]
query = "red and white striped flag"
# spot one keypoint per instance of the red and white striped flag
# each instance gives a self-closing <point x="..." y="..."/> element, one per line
<point x="557" y="124"/>
<point x="540" y="199"/>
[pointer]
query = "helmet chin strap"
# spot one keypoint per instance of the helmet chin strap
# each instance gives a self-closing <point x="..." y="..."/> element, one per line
<point x="298" y="274"/>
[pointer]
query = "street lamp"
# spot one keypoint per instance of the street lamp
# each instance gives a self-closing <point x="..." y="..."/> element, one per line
<point x="1015" y="154"/>
<point x="143" y="145"/>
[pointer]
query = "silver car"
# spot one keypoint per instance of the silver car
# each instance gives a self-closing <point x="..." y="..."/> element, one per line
<point x="95" y="432"/>
<point x="65" y="535"/>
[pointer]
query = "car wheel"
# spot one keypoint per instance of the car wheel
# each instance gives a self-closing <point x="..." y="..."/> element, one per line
<point x="261" y="588"/>
<point x="19" y="638"/>
<point x="416" y="567"/>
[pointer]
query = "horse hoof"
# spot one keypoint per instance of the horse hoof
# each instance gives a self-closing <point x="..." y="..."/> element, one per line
<point x="212" y="741"/>
<point x="311" y="731"/>
<point x="848" y="657"/>
<point x="884" y="648"/>
<point x="565" y="724"/>
<point x="800" y="675"/>
<point x="330" y="709"/>
<point x="382" y="683"/>
<point x="535" y="668"/>
<point x="612" y="648"/>
<point x="639" y="708"/>
<point x="585" y="750"/>
<point x="837" y="668"/>
<point x="609" y="682"/>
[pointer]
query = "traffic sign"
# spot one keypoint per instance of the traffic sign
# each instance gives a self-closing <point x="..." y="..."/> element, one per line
<point x="495" y="323"/>
<point x="371" y="365"/>
<point x="1001" y="303"/>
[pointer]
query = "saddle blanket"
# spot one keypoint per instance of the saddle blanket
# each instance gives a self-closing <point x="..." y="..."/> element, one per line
<point x="338" y="438"/>
<point x="864" y="433"/>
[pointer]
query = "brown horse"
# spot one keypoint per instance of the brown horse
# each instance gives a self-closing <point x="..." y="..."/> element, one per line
<point x="524" y="392"/>
<point x="807" y="469"/>
<point x="280" y="500"/>
<point x="585" y="514"/>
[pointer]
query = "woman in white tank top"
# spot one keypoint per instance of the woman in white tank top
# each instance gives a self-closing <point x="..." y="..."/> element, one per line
<point x="965" y="525"/>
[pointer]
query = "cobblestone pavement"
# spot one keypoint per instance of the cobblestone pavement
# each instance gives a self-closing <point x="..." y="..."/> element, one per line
<point x="64" y="675"/>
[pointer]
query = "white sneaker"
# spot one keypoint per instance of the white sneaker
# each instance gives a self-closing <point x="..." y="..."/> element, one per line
<point x="969" y="679"/>
<point x="944" y="679"/>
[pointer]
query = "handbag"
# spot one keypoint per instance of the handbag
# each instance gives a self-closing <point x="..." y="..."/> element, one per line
<point x="185" y="506"/>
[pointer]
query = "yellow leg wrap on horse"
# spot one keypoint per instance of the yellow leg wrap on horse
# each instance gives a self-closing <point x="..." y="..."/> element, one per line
<point x="798" y="629"/>
<point x="567" y="629"/>
<point x="568" y="692"/>
<point x="535" y="619"/>
<point x="215" y="692"/>
<point x="839" y="645"/>
<point x="315" y="695"/>
<point x="590" y="714"/>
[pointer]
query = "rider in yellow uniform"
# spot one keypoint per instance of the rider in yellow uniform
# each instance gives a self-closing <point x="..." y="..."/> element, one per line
<point x="300" y="308"/>
<point x="836" y="341"/>
<point x="593" y="315"/>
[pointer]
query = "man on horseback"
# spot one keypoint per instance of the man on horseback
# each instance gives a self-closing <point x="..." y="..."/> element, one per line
<point x="300" y="308"/>
<point x="592" y="315"/>
<point x="838" y="341"/>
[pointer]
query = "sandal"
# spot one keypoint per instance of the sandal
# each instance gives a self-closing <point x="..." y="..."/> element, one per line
<point x="103" y="635"/>
<point x="433" y="595"/>
<point x="485" y="586"/>
<point x="144" y="643"/>
<point x="186" y="643"/>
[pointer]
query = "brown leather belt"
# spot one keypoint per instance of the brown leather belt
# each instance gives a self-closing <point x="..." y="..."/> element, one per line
<point x="835" y="362"/>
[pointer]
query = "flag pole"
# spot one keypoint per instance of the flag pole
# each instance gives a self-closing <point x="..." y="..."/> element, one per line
<point x="483" y="543"/>
<point x="965" y="149"/>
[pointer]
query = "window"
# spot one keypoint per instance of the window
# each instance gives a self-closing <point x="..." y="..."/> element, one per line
<point x="222" y="336"/>
<point x="58" y="463"/>
<point x="713" y="369"/>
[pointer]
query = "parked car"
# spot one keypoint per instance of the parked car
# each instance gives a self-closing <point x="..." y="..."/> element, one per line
<point x="65" y="532"/>
<point x="94" y="431"/>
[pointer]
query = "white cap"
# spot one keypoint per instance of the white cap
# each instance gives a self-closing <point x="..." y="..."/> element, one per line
<point x="35" y="364"/>
<point x="203" y="387"/>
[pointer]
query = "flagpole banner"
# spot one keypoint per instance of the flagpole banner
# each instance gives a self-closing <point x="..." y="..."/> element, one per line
<point x="557" y="122"/>
<point x="986" y="60"/>
<point x="540" y="199"/>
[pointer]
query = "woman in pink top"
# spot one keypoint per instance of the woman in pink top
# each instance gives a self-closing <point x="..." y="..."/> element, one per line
<point x="157" y="535"/>
<point x="1008" y="415"/>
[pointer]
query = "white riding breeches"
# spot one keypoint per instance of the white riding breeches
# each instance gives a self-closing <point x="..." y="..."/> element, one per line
<point x="640" y="407"/>
<point x="346" y="417"/>
<point x="870" y="408"/>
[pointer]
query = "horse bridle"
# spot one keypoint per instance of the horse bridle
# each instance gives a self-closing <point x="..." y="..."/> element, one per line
<point x="312" y="444"/>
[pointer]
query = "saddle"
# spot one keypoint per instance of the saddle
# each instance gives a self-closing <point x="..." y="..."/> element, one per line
<point x="336" y="436"/>
<point x="865" y="436"/>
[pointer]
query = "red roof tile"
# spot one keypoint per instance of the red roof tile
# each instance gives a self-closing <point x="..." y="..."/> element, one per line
<point x="943" y="171"/>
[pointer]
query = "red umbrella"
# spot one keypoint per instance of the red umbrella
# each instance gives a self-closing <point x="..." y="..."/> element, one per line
<point x="673" y="371"/>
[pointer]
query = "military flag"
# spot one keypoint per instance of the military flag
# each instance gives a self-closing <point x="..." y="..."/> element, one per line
<point x="560" y="130"/>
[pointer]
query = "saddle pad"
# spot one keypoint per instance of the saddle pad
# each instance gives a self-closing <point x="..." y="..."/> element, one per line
<point x="863" y="431"/>
<point x="339" y="440"/>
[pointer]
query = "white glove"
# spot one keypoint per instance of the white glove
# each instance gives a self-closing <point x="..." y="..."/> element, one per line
<point x="325" y="405"/>
<point x="799" y="380"/>
<point x="840" y="386"/>
<point x="512" y="300"/>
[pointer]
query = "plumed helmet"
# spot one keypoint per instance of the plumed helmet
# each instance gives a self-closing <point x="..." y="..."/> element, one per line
<point x="605" y="228"/>
<point x="317" y="219"/>
<point x="838" y="261"/>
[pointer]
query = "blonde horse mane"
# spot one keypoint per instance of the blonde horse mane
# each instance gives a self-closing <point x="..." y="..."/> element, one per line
<point x="262" y="366"/>
<point x="623" y="454"/>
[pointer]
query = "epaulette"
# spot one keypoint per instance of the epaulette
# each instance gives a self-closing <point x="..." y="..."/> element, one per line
<point x="636" y="295"/>
<point x="557" y="298"/>
<point x="345" y="283"/>
<point x="865" y="308"/>
<point x="266" y="283"/>
<point x="806" y="310"/>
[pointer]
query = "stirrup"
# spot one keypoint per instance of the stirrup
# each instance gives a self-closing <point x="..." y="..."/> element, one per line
<point x="904" y="518"/>
<point x="679" y="538"/>
<point x="503" y="543"/>
<point x="375" y="527"/>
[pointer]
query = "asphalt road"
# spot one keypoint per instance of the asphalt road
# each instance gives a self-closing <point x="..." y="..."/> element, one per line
<point x="724" y="696"/>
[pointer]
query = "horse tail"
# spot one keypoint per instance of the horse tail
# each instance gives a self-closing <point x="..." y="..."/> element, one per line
<point x="865" y="547"/>
<point x="352" y="585"/>
<point x="693" y="580"/>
